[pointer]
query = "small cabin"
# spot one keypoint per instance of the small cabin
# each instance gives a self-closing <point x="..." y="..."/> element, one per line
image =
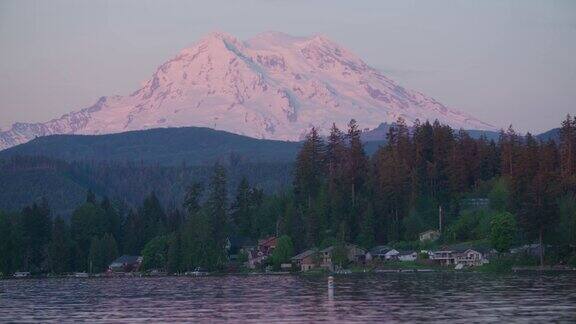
<point x="306" y="260"/>
<point x="470" y="258"/>
<point x="429" y="235"/>
<point x="383" y="252"/>
<point x="407" y="256"/>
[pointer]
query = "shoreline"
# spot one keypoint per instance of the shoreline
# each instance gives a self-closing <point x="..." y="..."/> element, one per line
<point x="515" y="270"/>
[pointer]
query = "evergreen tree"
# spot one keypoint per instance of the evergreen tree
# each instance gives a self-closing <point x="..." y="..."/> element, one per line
<point x="423" y="156"/>
<point x="199" y="247"/>
<point x="9" y="245"/>
<point x="242" y="209"/>
<point x="290" y="224"/>
<point x="413" y="225"/>
<point x="309" y="168"/>
<point x="91" y="197"/>
<point x="102" y="252"/>
<point x="367" y="235"/>
<point x="567" y="224"/>
<point x="443" y="141"/>
<point x="568" y="153"/>
<point x="36" y="227"/>
<point x="357" y="162"/>
<point x="113" y="219"/>
<point x="174" y="220"/>
<point x="534" y="193"/>
<point x="283" y="252"/>
<point x="88" y="221"/>
<point x="217" y="207"/>
<point x="192" y="199"/>
<point x="205" y="233"/>
<point x="393" y="182"/>
<point x="133" y="233"/>
<point x="488" y="159"/>
<point x="502" y="231"/>
<point x="312" y="224"/>
<point x="153" y="218"/>
<point x="111" y="248"/>
<point x="499" y="196"/>
<point x="336" y="152"/>
<point x="155" y="253"/>
<point x="174" y="257"/>
<point x="509" y="146"/>
<point x="60" y="248"/>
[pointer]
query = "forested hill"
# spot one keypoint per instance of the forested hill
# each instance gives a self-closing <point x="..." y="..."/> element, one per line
<point x="128" y="166"/>
<point x="553" y="134"/>
<point x="332" y="194"/>
<point x="27" y="180"/>
<point x="191" y="146"/>
<point x="379" y="134"/>
<point x="164" y="146"/>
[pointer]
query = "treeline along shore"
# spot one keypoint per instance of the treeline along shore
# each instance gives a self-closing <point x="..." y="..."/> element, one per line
<point x="514" y="191"/>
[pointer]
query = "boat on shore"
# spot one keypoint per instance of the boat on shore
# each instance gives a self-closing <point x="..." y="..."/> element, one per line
<point x="21" y="274"/>
<point x="558" y="268"/>
<point x="198" y="272"/>
<point x="80" y="275"/>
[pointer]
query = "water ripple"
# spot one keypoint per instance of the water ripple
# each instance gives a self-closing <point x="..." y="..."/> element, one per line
<point x="431" y="297"/>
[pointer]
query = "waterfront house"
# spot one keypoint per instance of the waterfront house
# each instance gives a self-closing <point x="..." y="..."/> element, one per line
<point x="383" y="252"/>
<point x="126" y="263"/>
<point x="443" y="257"/>
<point x="267" y="245"/>
<point x="307" y="260"/>
<point x="466" y="257"/>
<point x="407" y="256"/>
<point x="255" y="258"/>
<point x="429" y="235"/>
<point x="326" y="258"/>
<point x="354" y="254"/>
<point x="259" y="254"/>
<point x="470" y="258"/>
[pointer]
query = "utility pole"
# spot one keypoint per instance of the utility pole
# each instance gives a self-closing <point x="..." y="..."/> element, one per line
<point x="440" y="219"/>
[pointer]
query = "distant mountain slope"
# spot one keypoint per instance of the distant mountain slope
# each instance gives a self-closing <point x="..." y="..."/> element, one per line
<point x="379" y="133"/>
<point x="25" y="180"/>
<point x="28" y="180"/>
<point x="165" y="146"/>
<point x="553" y="134"/>
<point x="273" y="86"/>
<point x="192" y="146"/>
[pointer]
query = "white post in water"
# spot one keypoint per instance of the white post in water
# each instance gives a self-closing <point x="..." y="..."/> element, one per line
<point x="330" y="287"/>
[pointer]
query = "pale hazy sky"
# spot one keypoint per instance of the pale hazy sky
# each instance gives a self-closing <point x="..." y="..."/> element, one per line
<point x="502" y="61"/>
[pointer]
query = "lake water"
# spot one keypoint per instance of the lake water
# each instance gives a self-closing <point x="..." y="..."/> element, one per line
<point x="393" y="297"/>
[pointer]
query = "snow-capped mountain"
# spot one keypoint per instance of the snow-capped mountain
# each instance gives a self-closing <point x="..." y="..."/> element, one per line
<point x="272" y="86"/>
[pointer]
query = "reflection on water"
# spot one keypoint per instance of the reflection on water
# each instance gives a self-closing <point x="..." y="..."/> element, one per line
<point x="459" y="297"/>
